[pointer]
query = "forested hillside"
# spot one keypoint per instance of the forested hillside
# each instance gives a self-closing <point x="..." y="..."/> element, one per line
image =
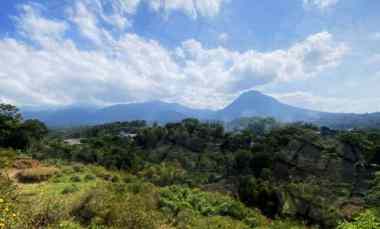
<point x="188" y="174"/>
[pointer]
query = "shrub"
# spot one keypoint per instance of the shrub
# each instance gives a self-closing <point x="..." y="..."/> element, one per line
<point x="164" y="174"/>
<point x="36" y="174"/>
<point x="76" y="178"/>
<point x="130" y="178"/>
<point x="9" y="218"/>
<point x="175" y="199"/>
<point x="218" y="222"/>
<point x="115" y="179"/>
<point x="45" y="213"/>
<point x="7" y="156"/>
<point x="69" y="225"/>
<point x="70" y="189"/>
<point x="103" y="207"/>
<point x="365" y="220"/>
<point x="286" y="224"/>
<point x="373" y="197"/>
<point x="105" y="176"/>
<point x="78" y="168"/>
<point x="90" y="177"/>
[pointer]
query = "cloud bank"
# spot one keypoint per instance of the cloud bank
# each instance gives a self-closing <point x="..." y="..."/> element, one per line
<point x="51" y="69"/>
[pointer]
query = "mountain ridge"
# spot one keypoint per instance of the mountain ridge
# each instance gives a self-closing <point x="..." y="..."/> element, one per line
<point x="248" y="104"/>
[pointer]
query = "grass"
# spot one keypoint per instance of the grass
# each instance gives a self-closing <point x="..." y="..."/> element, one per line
<point x="58" y="185"/>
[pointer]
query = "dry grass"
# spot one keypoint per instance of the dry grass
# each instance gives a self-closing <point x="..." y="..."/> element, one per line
<point x="26" y="163"/>
<point x="38" y="174"/>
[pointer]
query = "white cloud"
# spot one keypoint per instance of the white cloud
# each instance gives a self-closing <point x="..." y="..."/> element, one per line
<point x="193" y="8"/>
<point x="91" y="16"/>
<point x="33" y="26"/>
<point x="87" y="22"/>
<point x="130" y="68"/>
<point x="119" y="13"/>
<point x="320" y="4"/>
<point x="233" y="71"/>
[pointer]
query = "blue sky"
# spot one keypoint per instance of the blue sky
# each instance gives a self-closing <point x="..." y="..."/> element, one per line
<point x="317" y="54"/>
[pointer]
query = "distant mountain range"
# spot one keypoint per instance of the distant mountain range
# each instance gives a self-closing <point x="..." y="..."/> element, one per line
<point x="249" y="104"/>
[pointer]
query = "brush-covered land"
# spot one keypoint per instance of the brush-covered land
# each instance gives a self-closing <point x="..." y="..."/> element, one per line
<point x="190" y="174"/>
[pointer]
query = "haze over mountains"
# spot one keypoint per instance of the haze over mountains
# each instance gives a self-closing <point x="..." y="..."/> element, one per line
<point x="249" y="104"/>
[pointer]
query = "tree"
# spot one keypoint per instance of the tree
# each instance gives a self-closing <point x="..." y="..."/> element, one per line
<point x="10" y="121"/>
<point x="14" y="132"/>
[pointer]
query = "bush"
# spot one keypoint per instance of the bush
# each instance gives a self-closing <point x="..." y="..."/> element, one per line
<point x="286" y="224"/>
<point x="36" y="174"/>
<point x="46" y="213"/>
<point x="78" y="168"/>
<point x="69" y="225"/>
<point x="164" y="174"/>
<point x="102" y="206"/>
<point x="175" y="199"/>
<point x="365" y="220"/>
<point x="130" y="178"/>
<point x="90" y="177"/>
<point x="70" y="189"/>
<point x="105" y="176"/>
<point x="115" y="179"/>
<point x="9" y="218"/>
<point x="76" y="178"/>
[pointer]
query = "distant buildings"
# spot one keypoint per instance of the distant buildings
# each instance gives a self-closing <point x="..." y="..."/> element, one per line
<point x="73" y="141"/>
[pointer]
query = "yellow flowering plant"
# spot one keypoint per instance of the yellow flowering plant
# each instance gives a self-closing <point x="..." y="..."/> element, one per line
<point x="8" y="215"/>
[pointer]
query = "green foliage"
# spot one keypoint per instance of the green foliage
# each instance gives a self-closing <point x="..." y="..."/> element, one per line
<point x="373" y="196"/>
<point x="365" y="220"/>
<point x="287" y="224"/>
<point x="256" y="125"/>
<point x="175" y="199"/>
<point x="70" y="189"/>
<point x="7" y="156"/>
<point x="259" y="193"/>
<point x="14" y="132"/>
<point x="164" y="174"/>
<point x="76" y="178"/>
<point x="104" y="206"/>
<point x="89" y="177"/>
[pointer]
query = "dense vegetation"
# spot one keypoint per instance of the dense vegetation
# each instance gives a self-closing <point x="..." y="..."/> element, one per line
<point x="191" y="174"/>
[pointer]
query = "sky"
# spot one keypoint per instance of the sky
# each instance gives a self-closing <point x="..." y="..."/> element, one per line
<point x="316" y="54"/>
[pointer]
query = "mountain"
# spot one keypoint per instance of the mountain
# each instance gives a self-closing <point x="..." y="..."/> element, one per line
<point x="149" y="111"/>
<point x="70" y="116"/>
<point x="256" y="104"/>
<point x="248" y="104"/>
<point x="154" y="111"/>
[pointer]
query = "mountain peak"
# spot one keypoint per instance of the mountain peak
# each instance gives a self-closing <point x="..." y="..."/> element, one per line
<point x="254" y="98"/>
<point x="252" y="93"/>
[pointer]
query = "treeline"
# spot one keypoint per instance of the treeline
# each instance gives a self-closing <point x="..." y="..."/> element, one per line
<point x="16" y="132"/>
